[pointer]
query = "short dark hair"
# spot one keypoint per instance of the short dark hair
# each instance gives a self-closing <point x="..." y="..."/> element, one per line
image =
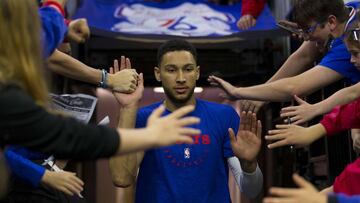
<point x="175" y="45"/>
<point x="318" y="10"/>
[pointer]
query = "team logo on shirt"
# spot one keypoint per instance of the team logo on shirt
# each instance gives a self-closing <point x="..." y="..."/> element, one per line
<point x="182" y="155"/>
<point x="187" y="153"/>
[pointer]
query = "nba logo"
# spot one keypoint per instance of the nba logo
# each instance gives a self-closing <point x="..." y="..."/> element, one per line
<point x="187" y="153"/>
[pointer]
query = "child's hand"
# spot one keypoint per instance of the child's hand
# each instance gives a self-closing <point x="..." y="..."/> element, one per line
<point x="63" y="181"/>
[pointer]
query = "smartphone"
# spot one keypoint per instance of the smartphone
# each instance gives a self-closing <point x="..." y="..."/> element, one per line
<point x="289" y="28"/>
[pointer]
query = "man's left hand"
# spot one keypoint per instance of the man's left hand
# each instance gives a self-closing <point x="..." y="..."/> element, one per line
<point x="246" y="145"/>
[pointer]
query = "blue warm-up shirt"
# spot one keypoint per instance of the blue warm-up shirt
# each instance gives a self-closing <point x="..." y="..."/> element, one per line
<point x="190" y="173"/>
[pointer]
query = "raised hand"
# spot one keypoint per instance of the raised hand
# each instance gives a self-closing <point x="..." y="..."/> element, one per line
<point x="306" y="193"/>
<point x="299" y="114"/>
<point x="78" y="30"/>
<point x="126" y="99"/>
<point x="123" y="79"/>
<point x="172" y="128"/>
<point x="250" y="105"/>
<point x="227" y="87"/>
<point x="63" y="181"/>
<point x="246" y="22"/>
<point x="294" y="135"/>
<point x="246" y="145"/>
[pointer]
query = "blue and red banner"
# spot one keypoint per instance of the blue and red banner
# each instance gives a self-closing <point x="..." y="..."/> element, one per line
<point x="173" y="17"/>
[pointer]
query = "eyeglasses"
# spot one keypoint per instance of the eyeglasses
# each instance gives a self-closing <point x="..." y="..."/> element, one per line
<point x="310" y="29"/>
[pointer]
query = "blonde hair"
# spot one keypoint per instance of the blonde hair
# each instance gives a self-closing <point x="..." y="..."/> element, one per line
<point x="20" y="48"/>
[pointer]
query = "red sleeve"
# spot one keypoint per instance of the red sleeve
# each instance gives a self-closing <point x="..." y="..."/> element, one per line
<point x="342" y="118"/>
<point x="348" y="181"/>
<point x="252" y="7"/>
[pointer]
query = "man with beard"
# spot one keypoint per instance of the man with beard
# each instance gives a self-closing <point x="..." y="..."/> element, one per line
<point x="196" y="172"/>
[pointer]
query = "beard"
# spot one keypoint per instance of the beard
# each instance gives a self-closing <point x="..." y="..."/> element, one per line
<point x="172" y="97"/>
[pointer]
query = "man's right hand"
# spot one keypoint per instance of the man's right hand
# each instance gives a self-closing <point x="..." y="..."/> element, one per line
<point x="128" y="99"/>
<point x="123" y="79"/>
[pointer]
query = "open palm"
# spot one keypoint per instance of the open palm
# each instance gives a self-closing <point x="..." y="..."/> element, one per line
<point x="246" y="145"/>
<point x="126" y="99"/>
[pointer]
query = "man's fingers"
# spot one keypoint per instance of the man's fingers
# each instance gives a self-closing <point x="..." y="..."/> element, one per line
<point x="248" y="121"/>
<point x="259" y="129"/>
<point x="122" y="63"/>
<point x="253" y="123"/>
<point x="245" y="104"/>
<point x="127" y="63"/>
<point x="242" y="120"/>
<point x="141" y="80"/>
<point x="116" y="66"/>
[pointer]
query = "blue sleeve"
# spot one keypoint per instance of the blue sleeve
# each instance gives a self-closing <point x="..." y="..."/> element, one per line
<point x="233" y="122"/>
<point x="23" y="168"/>
<point x="338" y="59"/>
<point x="53" y="29"/>
<point x="341" y="198"/>
<point x="27" y="153"/>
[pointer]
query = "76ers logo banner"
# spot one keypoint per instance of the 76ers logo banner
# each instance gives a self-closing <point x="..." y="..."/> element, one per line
<point x="186" y="19"/>
<point x="191" y="18"/>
